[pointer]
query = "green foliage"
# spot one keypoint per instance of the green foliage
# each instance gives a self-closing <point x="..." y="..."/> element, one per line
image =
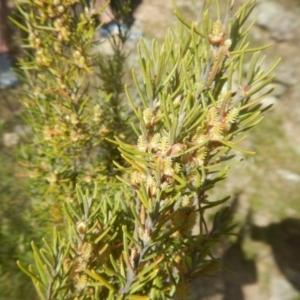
<point x="68" y="118"/>
<point x="12" y="217"/>
<point x="148" y="235"/>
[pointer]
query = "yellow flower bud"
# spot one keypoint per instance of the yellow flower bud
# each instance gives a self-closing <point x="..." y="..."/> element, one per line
<point x="81" y="227"/>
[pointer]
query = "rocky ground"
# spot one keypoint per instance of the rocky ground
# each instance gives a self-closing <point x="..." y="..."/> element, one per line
<point x="264" y="262"/>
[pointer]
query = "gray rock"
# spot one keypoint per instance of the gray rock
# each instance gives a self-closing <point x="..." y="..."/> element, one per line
<point x="289" y="175"/>
<point x="281" y="23"/>
<point x="281" y="289"/>
<point x="10" y="139"/>
<point x="22" y="130"/>
<point x="286" y="72"/>
<point x="270" y="100"/>
<point x="279" y="89"/>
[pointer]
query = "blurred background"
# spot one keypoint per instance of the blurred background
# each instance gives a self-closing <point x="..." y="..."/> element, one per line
<point x="263" y="262"/>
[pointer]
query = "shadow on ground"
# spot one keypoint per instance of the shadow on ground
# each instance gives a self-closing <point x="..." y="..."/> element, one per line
<point x="284" y="240"/>
<point x="229" y="284"/>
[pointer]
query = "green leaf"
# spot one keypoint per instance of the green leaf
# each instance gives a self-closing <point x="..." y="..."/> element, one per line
<point x="44" y="254"/>
<point x="151" y="266"/>
<point x="259" y="99"/>
<point x="141" y="94"/>
<point x="30" y="274"/>
<point x="139" y="285"/>
<point x="39" y="264"/>
<point x="131" y="101"/>
<point x="55" y="241"/>
<point x="130" y="237"/>
<point x="99" y="278"/>
<point x="137" y="297"/>
<point x="39" y="290"/>
<point x="249" y="118"/>
<point x="233" y="146"/>
<point x="266" y="73"/>
<point x="214" y="203"/>
<point x="184" y="22"/>
<point x="102" y="235"/>
<point x="260" y="86"/>
<point x="18" y="24"/>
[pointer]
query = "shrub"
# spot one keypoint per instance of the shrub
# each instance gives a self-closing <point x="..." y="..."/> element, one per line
<point x="139" y="230"/>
